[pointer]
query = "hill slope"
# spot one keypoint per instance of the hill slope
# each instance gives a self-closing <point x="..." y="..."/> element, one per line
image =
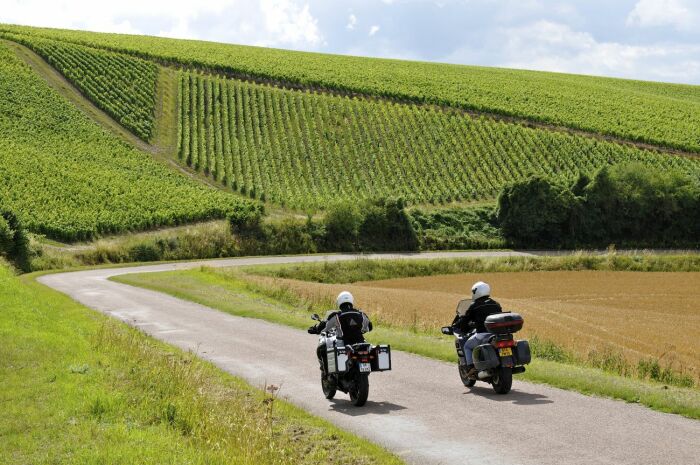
<point x="663" y="114"/>
<point x="68" y="178"/>
<point x="308" y="150"/>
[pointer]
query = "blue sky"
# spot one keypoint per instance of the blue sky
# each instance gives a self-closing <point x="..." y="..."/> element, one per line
<point x="641" y="39"/>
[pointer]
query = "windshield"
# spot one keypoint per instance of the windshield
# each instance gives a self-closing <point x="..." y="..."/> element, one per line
<point x="463" y="306"/>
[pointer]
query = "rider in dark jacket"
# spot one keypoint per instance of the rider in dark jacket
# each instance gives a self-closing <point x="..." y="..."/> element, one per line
<point x="350" y="324"/>
<point x="481" y="307"/>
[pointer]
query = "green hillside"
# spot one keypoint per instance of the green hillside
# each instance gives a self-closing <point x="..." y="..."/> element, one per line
<point x="308" y="150"/>
<point x="664" y="114"/>
<point x="70" y="179"/>
<point x="298" y="145"/>
<point x="119" y="84"/>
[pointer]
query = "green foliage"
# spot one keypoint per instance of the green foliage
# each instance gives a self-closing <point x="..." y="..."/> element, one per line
<point x="535" y="211"/>
<point x="79" y="388"/>
<point x="386" y="226"/>
<point x="665" y="114"/>
<point x="121" y="85"/>
<point x="342" y="223"/>
<point x="67" y="178"/>
<point x="14" y="243"/>
<point x="630" y="205"/>
<point x="309" y="150"/>
<point x="371" y="270"/>
<point x="457" y="228"/>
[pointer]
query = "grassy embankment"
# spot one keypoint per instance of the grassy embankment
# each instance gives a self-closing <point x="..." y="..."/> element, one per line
<point x="229" y="290"/>
<point x="77" y="387"/>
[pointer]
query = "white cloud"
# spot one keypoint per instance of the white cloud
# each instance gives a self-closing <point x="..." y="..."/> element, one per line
<point x="263" y="22"/>
<point x="550" y="46"/>
<point x="675" y="13"/>
<point x="289" y="23"/>
<point x="352" y="21"/>
<point x="373" y="30"/>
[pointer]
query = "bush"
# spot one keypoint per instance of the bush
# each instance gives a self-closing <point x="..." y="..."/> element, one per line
<point x="535" y="212"/>
<point x="246" y="220"/>
<point x="342" y="226"/>
<point x="630" y="205"/>
<point x="14" y="243"/>
<point x="458" y="228"/>
<point x="386" y="227"/>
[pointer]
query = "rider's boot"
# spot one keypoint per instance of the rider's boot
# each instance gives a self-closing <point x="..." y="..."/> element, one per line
<point x="471" y="371"/>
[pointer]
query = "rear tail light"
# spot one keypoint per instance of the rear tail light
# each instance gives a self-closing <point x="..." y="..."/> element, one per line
<point x="501" y="344"/>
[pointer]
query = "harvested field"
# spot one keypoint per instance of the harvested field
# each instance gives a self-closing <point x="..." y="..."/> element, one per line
<point x="639" y="315"/>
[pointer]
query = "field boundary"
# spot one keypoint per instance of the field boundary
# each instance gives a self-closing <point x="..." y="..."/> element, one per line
<point x="531" y="123"/>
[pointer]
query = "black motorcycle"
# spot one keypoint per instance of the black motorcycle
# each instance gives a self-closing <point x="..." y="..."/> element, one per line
<point x="499" y="358"/>
<point x="347" y="367"/>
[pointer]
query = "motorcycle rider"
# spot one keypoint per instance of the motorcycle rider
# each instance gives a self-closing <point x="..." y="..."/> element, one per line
<point x="482" y="306"/>
<point x="350" y="325"/>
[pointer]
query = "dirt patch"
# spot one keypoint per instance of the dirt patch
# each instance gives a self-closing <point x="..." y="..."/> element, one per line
<point x="641" y="315"/>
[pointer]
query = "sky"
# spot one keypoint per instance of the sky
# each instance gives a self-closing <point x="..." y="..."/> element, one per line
<point x="641" y="39"/>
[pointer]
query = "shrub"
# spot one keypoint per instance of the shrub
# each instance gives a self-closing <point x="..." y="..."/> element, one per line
<point x="342" y="227"/>
<point x="386" y="227"/>
<point x="536" y="211"/>
<point x="630" y="205"/>
<point x="14" y="243"/>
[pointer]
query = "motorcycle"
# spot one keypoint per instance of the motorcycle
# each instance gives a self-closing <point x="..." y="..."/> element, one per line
<point x="499" y="358"/>
<point x="347" y="367"/>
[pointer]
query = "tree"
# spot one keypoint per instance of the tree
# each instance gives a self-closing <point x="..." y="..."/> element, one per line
<point x="535" y="212"/>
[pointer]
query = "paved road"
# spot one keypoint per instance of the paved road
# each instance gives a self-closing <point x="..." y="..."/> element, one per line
<point x="419" y="410"/>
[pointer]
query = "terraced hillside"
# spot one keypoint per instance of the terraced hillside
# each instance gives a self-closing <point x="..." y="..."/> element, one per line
<point x="663" y="114"/>
<point x="68" y="178"/>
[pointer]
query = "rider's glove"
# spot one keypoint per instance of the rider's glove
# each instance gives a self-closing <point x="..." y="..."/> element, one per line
<point x="312" y="330"/>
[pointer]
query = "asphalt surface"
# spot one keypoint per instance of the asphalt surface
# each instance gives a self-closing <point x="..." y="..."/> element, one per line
<point x="419" y="410"/>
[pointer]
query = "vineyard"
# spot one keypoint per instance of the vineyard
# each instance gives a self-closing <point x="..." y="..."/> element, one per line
<point x="306" y="150"/>
<point x="655" y="113"/>
<point x="68" y="178"/>
<point x="121" y="85"/>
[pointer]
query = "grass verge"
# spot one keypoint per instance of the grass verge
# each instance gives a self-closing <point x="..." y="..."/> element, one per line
<point x="371" y="270"/>
<point x="78" y="387"/>
<point x="226" y="290"/>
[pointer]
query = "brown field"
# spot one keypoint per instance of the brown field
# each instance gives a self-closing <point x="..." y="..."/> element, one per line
<point x="641" y="315"/>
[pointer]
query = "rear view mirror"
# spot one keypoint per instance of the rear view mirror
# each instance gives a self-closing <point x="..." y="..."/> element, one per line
<point x="315" y="317"/>
<point x="447" y="330"/>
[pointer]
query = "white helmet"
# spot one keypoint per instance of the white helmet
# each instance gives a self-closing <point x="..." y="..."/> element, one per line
<point x="480" y="289"/>
<point x="344" y="298"/>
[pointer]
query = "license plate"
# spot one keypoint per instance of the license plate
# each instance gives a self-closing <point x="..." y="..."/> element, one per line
<point x="505" y="352"/>
<point x="365" y="367"/>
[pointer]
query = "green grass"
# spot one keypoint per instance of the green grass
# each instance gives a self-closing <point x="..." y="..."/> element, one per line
<point x="372" y="270"/>
<point x="77" y="387"/>
<point x="309" y="150"/>
<point x="666" y="114"/>
<point x="67" y="178"/>
<point x="226" y="290"/>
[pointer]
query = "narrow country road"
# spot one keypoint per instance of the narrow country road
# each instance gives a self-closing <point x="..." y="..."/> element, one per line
<point x="419" y="410"/>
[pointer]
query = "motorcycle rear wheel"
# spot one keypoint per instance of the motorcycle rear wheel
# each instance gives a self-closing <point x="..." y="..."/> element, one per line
<point x="467" y="381"/>
<point x="502" y="380"/>
<point x="360" y="391"/>
<point x="328" y="386"/>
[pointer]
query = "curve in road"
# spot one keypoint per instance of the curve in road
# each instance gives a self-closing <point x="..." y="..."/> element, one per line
<point x="419" y="410"/>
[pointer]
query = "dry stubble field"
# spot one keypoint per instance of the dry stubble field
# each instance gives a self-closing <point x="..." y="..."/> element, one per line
<point x="641" y="315"/>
